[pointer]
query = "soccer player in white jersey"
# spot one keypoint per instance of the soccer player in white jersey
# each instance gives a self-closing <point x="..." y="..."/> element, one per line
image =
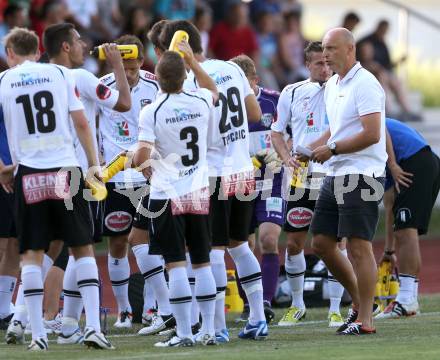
<point x="231" y="171"/>
<point x="173" y="141"/>
<point x="64" y="46"/>
<point x="37" y="100"/>
<point x="301" y="106"/>
<point x="118" y="132"/>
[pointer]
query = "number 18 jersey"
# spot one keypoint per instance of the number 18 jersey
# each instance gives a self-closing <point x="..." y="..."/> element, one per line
<point x="37" y="99"/>
<point x="228" y="138"/>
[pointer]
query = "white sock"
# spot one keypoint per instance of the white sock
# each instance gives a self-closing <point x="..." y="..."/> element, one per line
<point x="406" y="291"/>
<point x="416" y="289"/>
<point x="152" y="270"/>
<point x="73" y="303"/>
<point x="249" y="272"/>
<point x="7" y="287"/>
<point x="33" y="291"/>
<point x="119" y="273"/>
<point x="295" y="268"/>
<point x="47" y="264"/>
<point x="88" y="284"/>
<point x="218" y="267"/>
<point x="195" y="311"/>
<point x="149" y="299"/>
<point x="20" y="313"/>
<point x="335" y="290"/>
<point x="180" y="300"/>
<point x="205" y="291"/>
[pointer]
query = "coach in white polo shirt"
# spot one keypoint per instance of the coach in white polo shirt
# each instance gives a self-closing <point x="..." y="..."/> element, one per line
<point x="354" y="149"/>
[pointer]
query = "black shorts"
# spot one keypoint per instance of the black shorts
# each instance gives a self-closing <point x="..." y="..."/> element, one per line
<point x="300" y="209"/>
<point x="118" y="210"/>
<point x="7" y="222"/>
<point x="413" y="206"/>
<point x="62" y="259"/>
<point x="229" y="218"/>
<point x="140" y="221"/>
<point x="353" y="214"/>
<point x="41" y="216"/>
<point x="97" y="209"/>
<point x="169" y="234"/>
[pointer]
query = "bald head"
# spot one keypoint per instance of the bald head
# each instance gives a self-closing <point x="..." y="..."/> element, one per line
<point x="341" y="35"/>
<point x="339" y="50"/>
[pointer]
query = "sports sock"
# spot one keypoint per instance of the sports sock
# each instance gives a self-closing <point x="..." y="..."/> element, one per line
<point x="119" y="273"/>
<point x="195" y="311"/>
<point x="249" y="272"/>
<point x="88" y="284"/>
<point x="73" y="303"/>
<point x="270" y="269"/>
<point x="416" y="289"/>
<point x="218" y="266"/>
<point x="295" y="268"/>
<point x="7" y="286"/>
<point x="406" y="291"/>
<point x="152" y="270"/>
<point x="33" y="291"/>
<point x="149" y="299"/>
<point x="335" y="290"/>
<point x="205" y="291"/>
<point x="20" y="313"/>
<point x="180" y="300"/>
<point x="47" y="264"/>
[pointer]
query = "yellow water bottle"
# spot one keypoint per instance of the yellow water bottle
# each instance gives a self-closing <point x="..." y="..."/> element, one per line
<point x="299" y="177"/>
<point x="117" y="164"/>
<point x="178" y="36"/>
<point x="129" y="51"/>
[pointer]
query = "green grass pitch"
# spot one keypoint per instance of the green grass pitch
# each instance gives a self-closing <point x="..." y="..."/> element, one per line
<point x="414" y="338"/>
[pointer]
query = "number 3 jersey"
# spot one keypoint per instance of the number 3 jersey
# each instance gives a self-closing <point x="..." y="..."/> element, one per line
<point x="178" y="124"/>
<point x="228" y="146"/>
<point x="118" y="131"/>
<point x="37" y="99"/>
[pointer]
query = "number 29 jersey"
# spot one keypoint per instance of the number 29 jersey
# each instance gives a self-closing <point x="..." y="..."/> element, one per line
<point x="178" y="124"/>
<point x="37" y="99"/>
<point x="228" y="138"/>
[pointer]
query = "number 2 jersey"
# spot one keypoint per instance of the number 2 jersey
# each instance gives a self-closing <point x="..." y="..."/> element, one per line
<point x="118" y="131"/>
<point x="178" y="124"/>
<point x="37" y="99"/>
<point x="228" y="145"/>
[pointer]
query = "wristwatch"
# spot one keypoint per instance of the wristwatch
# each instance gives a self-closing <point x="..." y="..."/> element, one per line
<point x="332" y="147"/>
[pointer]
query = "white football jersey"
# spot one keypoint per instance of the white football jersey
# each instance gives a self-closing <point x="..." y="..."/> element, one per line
<point x="228" y="146"/>
<point x="301" y="105"/>
<point x="92" y="92"/>
<point x="37" y="99"/>
<point x="178" y="124"/>
<point x="118" y="131"/>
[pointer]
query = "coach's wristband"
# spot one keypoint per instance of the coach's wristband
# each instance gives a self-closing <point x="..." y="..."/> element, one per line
<point x="389" y="252"/>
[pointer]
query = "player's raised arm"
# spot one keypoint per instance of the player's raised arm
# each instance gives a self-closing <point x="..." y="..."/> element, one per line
<point x="115" y="61"/>
<point x="202" y="77"/>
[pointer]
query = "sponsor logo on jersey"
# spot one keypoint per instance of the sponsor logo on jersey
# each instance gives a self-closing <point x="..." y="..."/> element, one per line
<point x="311" y="128"/>
<point x="266" y="119"/>
<point x="28" y="79"/>
<point x="265" y="141"/>
<point x="145" y="102"/>
<point x="219" y="78"/>
<point x="103" y="92"/>
<point x="299" y="217"/>
<point x="182" y="115"/>
<point x="123" y="128"/>
<point x="234" y="136"/>
<point x="150" y="76"/>
<point x="118" y="221"/>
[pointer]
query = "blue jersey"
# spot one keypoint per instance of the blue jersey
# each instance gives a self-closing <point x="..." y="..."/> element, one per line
<point x="5" y="155"/>
<point x="406" y="142"/>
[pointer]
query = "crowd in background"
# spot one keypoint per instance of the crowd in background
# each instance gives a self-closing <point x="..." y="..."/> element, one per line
<point x="269" y="31"/>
